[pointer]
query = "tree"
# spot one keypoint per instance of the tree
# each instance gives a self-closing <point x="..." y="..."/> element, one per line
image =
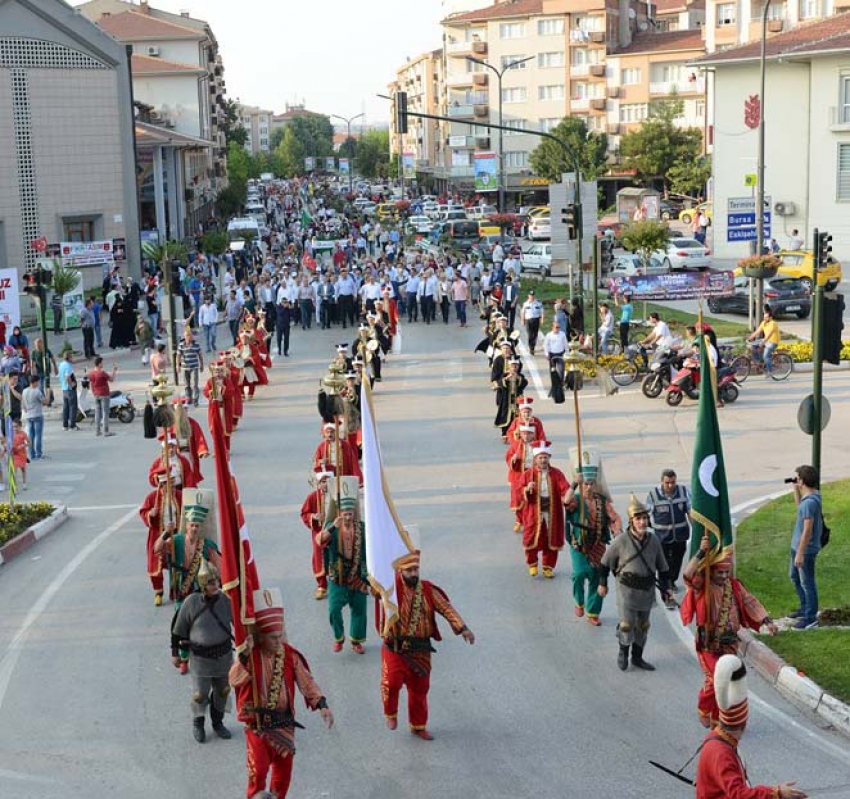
<point x="689" y="177"/>
<point x="373" y="154"/>
<point x="659" y="144"/>
<point x="288" y="157"/>
<point x="65" y="280"/>
<point x="276" y="138"/>
<point x="348" y="149"/>
<point x="314" y="133"/>
<point x="549" y="160"/>
<point x="239" y="166"/>
<point x="233" y="130"/>
<point x="645" y="237"/>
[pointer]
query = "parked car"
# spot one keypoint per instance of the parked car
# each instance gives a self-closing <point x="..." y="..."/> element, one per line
<point x="419" y="224"/>
<point x="480" y="211"/>
<point x="461" y="234"/>
<point x="431" y="209"/>
<point x="455" y="215"/>
<point x="387" y="212"/>
<point x="669" y="210"/>
<point x="785" y="296"/>
<point x="487" y="243"/>
<point x="538" y="258"/>
<point x="540" y="227"/>
<point x="368" y="209"/>
<point x="684" y="253"/>
<point x="686" y="216"/>
<point x="632" y="265"/>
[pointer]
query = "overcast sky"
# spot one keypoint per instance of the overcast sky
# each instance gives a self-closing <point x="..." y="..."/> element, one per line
<point x="334" y="55"/>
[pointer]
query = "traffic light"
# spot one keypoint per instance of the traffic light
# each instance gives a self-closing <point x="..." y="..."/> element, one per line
<point x="833" y="324"/>
<point x="823" y="248"/>
<point x="571" y="217"/>
<point x="31" y="284"/>
<point x="401" y="112"/>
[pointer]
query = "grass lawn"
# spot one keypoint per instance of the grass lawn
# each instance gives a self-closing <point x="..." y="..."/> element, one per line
<point x="763" y="559"/>
<point x="822" y="655"/>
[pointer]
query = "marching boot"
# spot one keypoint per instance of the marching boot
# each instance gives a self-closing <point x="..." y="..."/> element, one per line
<point x="637" y="659"/>
<point x="623" y="658"/>
<point x="198" y="729"/>
<point x="217" y="718"/>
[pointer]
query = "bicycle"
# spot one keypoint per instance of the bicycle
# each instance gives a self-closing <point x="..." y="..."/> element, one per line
<point x="745" y="364"/>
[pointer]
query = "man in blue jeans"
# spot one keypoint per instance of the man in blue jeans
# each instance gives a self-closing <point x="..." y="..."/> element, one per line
<point x="68" y="384"/>
<point x="805" y="545"/>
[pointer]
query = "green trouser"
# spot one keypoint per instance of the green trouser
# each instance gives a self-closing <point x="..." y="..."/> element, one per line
<point x="338" y="597"/>
<point x="583" y="573"/>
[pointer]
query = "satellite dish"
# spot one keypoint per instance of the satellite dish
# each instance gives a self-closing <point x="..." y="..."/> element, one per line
<point x="643" y="26"/>
<point x="632" y="13"/>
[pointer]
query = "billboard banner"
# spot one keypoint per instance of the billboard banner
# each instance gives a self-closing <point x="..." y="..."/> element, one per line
<point x="330" y="163"/>
<point x="87" y="253"/>
<point x="10" y="302"/>
<point x="485" y="172"/>
<point x="309" y="163"/>
<point x="408" y="166"/>
<point x="344" y="166"/>
<point x="674" y="285"/>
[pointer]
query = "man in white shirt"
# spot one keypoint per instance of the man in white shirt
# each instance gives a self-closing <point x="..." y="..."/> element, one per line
<point x="660" y="335"/>
<point x="795" y="241"/>
<point x="208" y="320"/>
<point x="606" y="328"/>
<point x="532" y="315"/>
<point x="554" y="347"/>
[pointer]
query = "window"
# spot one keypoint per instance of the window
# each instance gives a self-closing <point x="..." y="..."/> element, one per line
<point x="553" y="92"/>
<point x="515" y="125"/>
<point x="844" y="101"/>
<point x="633" y="112"/>
<point x="511" y="59"/>
<point x="630" y="76"/>
<point x="550" y="27"/>
<point x="809" y="9"/>
<point x="474" y="66"/>
<point x="699" y="109"/>
<point x="264" y="142"/>
<point x="843" y="187"/>
<point x="546" y="60"/>
<point x="667" y="73"/>
<point x="548" y="124"/>
<point x="580" y="91"/>
<point x="726" y="14"/>
<point x="516" y="158"/>
<point x="78" y="229"/>
<point x="776" y="11"/>
<point x="515" y="95"/>
<point x="511" y="30"/>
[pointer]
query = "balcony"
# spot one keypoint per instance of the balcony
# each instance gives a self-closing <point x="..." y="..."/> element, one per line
<point x="775" y="25"/>
<point x="666" y="87"/>
<point x="462" y="49"/>
<point x="579" y="103"/>
<point x="464" y="111"/>
<point x="839" y="118"/>
<point x="598" y="104"/>
<point x="597" y="70"/>
<point x="613" y="92"/>
<point x="462" y="171"/>
<point x="597" y="37"/>
<point x="459" y="81"/>
<point x="463" y="142"/>
<point x="481" y="109"/>
<point x="480" y="78"/>
<point x="578" y="70"/>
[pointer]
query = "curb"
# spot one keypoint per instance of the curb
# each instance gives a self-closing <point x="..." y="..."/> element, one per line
<point x="792" y="685"/>
<point x="27" y="539"/>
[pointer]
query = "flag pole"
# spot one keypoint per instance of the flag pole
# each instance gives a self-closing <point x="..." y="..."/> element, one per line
<point x="705" y="530"/>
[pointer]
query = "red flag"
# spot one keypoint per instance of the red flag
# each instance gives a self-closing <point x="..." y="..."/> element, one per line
<point x="40" y="244"/>
<point x="239" y="576"/>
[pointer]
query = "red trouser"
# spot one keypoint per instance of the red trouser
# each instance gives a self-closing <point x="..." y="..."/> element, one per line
<point x="549" y="556"/>
<point x="319" y="564"/>
<point x="156" y="583"/>
<point x="261" y="756"/>
<point x="707" y="702"/>
<point x="395" y="672"/>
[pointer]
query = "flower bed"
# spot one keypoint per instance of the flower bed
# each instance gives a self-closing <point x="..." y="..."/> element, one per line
<point x="14" y="521"/>
<point x="802" y="351"/>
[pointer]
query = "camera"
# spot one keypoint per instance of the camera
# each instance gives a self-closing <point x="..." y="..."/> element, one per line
<point x="790" y="480"/>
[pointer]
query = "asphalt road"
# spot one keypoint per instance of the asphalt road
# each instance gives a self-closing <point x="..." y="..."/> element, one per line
<point x="91" y="707"/>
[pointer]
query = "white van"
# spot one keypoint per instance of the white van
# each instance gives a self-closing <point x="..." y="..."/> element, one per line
<point x="256" y="210"/>
<point x="236" y="229"/>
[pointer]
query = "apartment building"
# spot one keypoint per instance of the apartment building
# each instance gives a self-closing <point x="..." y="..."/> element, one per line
<point x="258" y="125"/>
<point x="422" y="79"/>
<point x="603" y="61"/>
<point x="178" y="71"/>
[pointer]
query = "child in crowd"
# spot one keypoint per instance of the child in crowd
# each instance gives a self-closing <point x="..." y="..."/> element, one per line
<point x="20" y="446"/>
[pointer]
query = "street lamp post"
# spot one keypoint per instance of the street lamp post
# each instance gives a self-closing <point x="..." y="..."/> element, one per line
<point x="348" y="121"/>
<point x="760" y="162"/>
<point x="499" y="73"/>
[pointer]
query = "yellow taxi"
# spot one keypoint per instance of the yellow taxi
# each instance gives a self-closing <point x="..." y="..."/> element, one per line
<point x="487" y="228"/>
<point x="386" y="212"/>
<point x="686" y="216"/>
<point x="799" y="264"/>
<point x="540" y="210"/>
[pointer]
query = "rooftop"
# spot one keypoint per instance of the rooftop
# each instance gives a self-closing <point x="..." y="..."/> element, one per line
<point x="147" y="65"/>
<point x="830" y="35"/>
<point x="504" y="10"/>
<point x="667" y="42"/>
<point x="132" y="25"/>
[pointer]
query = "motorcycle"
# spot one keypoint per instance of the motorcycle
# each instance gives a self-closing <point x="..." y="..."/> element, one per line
<point x="661" y="368"/>
<point x="687" y="382"/>
<point x="121" y="405"/>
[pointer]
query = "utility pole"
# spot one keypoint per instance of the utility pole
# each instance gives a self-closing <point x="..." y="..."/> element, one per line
<point x="348" y="121"/>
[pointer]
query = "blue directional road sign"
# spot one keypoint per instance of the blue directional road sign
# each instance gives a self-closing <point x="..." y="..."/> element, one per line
<point x="741" y="219"/>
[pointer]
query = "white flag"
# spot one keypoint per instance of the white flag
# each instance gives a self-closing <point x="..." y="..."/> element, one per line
<point x="386" y="538"/>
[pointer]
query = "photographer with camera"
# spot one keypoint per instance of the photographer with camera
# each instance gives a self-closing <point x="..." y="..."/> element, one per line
<point x="806" y="544"/>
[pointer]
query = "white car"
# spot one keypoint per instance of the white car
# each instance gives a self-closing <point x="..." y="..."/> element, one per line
<point x="538" y="258"/>
<point x="369" y="209"/>
<point x="419" y="224"/>
<point x="632" y="266"/>
<point x="431" y="209"/>
<point x="684" y="253"/>
<point x="540" y="227"/>
<point x="361" y="201"/>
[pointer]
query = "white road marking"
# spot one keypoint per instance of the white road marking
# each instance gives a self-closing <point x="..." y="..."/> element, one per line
<point x="777" y="715"/>
<point x="17" y="775"/>
<point x="13" y="652"/>
<point x="531" y="369"/>
<point x="100" y="507"/>
<point x="65" y="478"/>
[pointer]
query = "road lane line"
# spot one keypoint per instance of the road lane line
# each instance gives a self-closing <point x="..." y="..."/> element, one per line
<point x="100" y="507"/>
<point x="13" y="652"/>
<point x="531" y="368"/>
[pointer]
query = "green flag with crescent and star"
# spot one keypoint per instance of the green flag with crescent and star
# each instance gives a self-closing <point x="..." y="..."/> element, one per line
<point x="709" y="492"/>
